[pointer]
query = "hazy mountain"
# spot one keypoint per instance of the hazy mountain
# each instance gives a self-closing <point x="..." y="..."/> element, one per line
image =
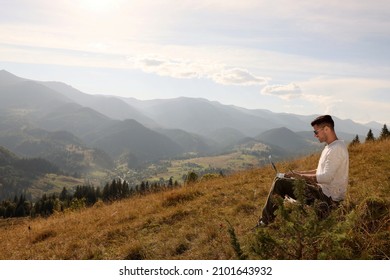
<point x="205" y="117"/>
<point x="76" y="119"/>
<point x="25" y="97"/>
<point x="27" y="106"/>
<point x="374" y="125"/>
<point x="160" y="128"/>
<point x="189" y="142"/>
<point x="129" y="136"/>
<point x="53" y="111"/>
<point x="226" y="136"/>
<point x="201" y="116"/>
<point x="9" y="79"/>
<point x="113" y="136"/>
<point x="110" y="106"/>
<point x="61" y="148"/>
<point x="289" y="141"/>
<point x="351" y="127"/>
<point x="6" y="156"/>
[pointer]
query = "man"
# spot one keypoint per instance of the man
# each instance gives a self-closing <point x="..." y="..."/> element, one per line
<point x="327" y="183"/>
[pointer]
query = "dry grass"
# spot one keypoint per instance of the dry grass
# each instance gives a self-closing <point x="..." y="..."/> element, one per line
<point x="187" y="223"/>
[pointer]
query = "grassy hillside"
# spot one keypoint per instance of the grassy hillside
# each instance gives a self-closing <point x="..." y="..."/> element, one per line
<point x="199" y="221"/>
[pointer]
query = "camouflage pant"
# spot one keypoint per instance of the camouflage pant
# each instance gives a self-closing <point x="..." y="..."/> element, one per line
<point x="285" y="187"/>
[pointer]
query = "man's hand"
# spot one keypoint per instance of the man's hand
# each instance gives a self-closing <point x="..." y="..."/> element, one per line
<point x="310" y="178"/>
<point x="289" y="174"/>
<point x="292" y="174"/>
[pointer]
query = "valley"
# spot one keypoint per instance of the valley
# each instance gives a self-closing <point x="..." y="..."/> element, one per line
<point x="222" y="164"/>
<point x="195" y="222"/>
<point x="94" y="139"/>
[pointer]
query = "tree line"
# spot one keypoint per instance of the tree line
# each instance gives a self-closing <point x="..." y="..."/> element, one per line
<point x="81" y="197"/>
<point x="384" y="134"/>
<point x="87" y="195"/>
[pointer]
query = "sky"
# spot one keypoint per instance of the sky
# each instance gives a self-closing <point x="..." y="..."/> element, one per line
<point x="296" y="56"/>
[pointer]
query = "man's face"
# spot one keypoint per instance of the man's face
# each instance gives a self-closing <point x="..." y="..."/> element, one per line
<point x="319" y="133"/>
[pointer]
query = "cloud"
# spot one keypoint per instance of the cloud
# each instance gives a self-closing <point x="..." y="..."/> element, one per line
<point x="286" y="92"/>
<point x="185" y="69"/>
<point x="168" y="67"/>
<point x="329" y="104"/>
<point x="346" y="97"/>
<point x="236" y="76"/>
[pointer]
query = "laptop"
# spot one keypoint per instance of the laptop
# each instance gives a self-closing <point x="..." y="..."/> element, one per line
<point x="278" y="174"/>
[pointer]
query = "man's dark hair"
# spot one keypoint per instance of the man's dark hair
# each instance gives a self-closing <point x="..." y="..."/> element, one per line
<point x="324" y="120"/>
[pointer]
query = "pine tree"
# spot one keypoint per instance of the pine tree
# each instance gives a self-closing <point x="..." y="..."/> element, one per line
<point x="355" y="141"/>
<point x="20" y="211"/>
<point x="385" y="134"/>
<point x="170" y="182"/>
<point x="143" y="187"/>
<point x="125" y="189"/>
<point x="106" y="192"/>
<point x="64" y="194"/>
<point x="370" y="136"/>
<point x="192" y="177"/>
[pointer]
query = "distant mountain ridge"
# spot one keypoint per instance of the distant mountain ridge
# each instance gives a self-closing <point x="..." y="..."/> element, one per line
<point x="172" y="126"/>
<point x="204" y="117"/>
<point x="112" y="107"/>
<point x="201" y="116"/>
<point x="188" y="113"/>
<point x="51" y="110"/>
<point x="287" y="140"/>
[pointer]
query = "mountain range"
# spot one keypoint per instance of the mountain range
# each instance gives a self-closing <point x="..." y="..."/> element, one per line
<point x="34" y="113"/>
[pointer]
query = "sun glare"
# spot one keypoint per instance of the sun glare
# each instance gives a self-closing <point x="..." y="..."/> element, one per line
<point x="99" y="6"/>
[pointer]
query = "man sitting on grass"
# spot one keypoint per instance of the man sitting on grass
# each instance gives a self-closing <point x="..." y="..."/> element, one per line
<point x="328" y="183"/>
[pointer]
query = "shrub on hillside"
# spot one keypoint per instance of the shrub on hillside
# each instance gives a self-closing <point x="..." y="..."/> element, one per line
<point x="298" y="232"/>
